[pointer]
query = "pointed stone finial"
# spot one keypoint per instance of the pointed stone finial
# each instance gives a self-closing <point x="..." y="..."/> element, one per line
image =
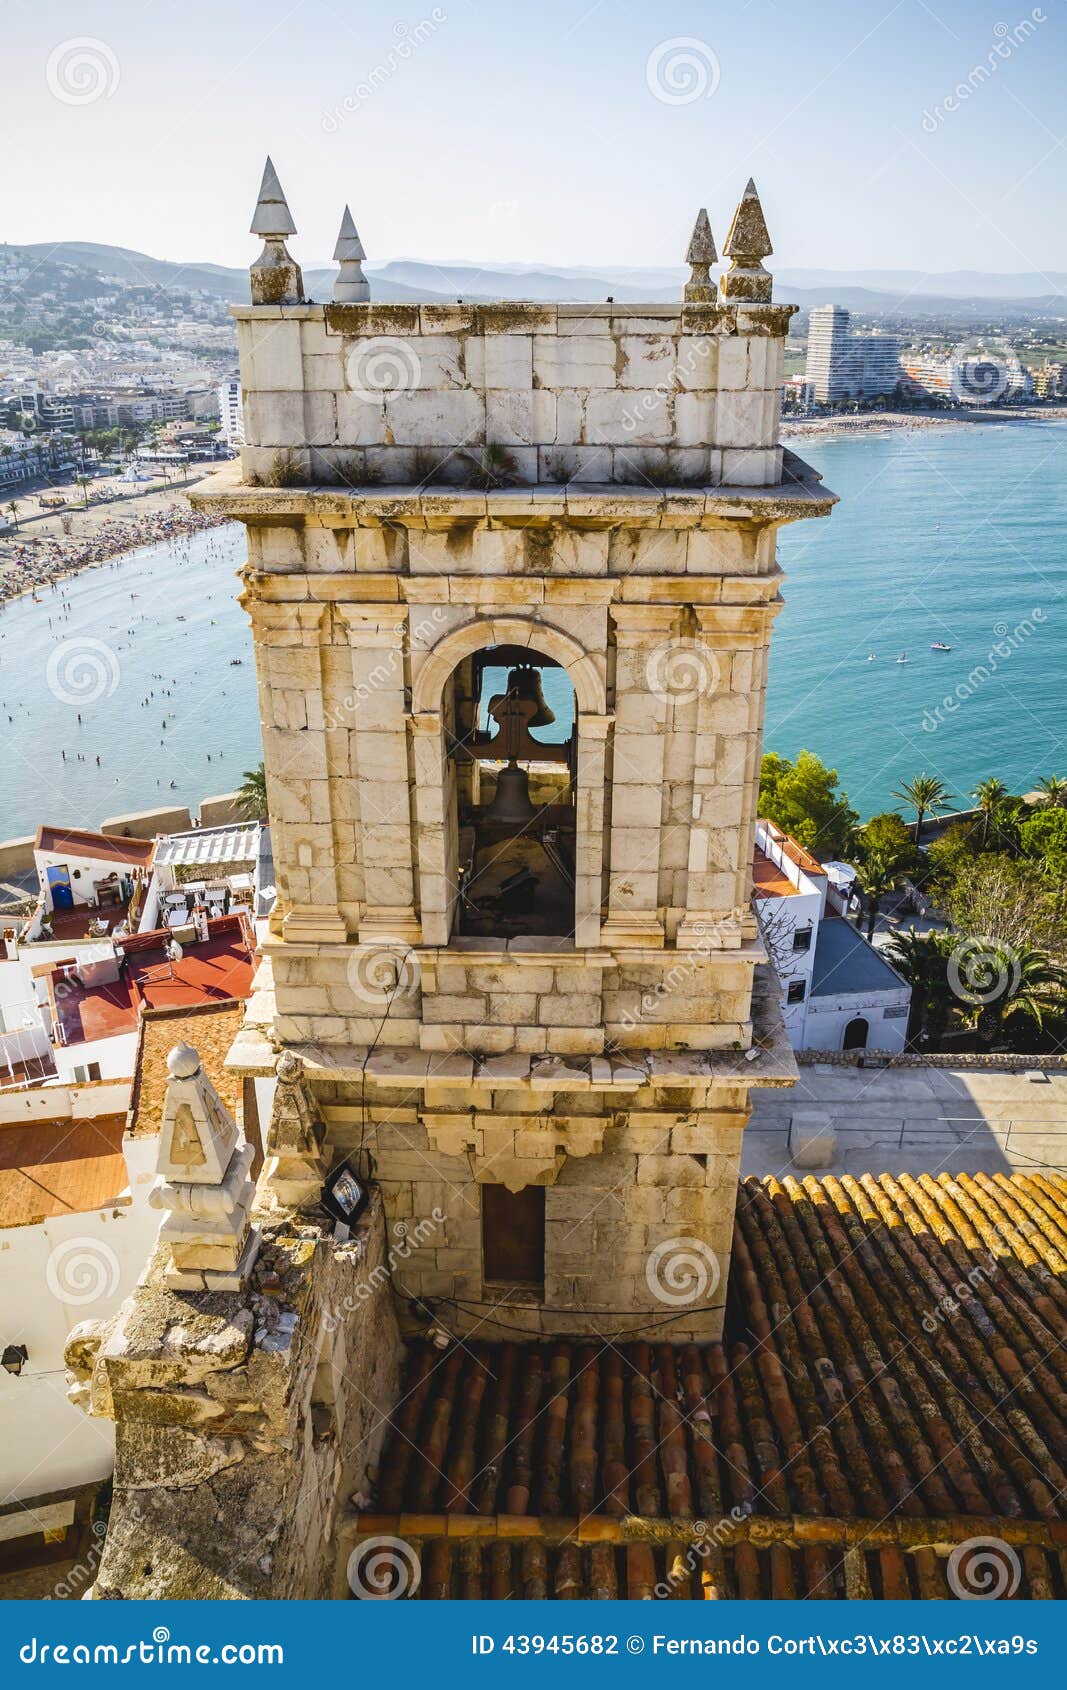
<point x="276" y="277"/>
<point x="202" y="1180"/>
<point x="746" y="244"/>
<point x="351" y="285"/>
<point x="296" y="1166"/>
<point x="700" y="256"/>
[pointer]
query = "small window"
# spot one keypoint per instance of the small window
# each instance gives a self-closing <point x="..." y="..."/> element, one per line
<point x="802" y="939"/>
<point x="513" y="1236"/>
<point x="795" y="992"/>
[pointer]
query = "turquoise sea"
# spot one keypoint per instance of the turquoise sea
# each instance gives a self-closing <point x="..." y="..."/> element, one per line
<point x="956" y="534"/>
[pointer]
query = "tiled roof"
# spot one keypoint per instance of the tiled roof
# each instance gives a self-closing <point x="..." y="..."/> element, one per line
<point x="892" y="1381"/>
<point x="60" y="1167"/>
<point x="768" y="880"/>
<point x="210" y="1029"/>
<point x="97" y="847"/>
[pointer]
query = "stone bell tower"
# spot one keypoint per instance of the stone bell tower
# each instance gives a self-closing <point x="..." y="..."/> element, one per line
<point x="511" y="577"/>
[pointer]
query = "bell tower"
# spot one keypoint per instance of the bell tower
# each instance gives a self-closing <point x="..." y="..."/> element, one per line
<point x="511" y="577"/>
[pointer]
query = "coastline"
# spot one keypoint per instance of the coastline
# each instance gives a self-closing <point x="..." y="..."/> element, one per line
<point x="880" y="422"/>
<point x="41" y="554"/>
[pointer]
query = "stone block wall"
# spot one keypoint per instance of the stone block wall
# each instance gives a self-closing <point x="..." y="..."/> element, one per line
<point x="366" y="394"/>
<point x="244" y="1420"/>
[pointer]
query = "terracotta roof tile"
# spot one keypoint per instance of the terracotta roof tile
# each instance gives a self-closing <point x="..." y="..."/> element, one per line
<point x="892" y="1379"/>
<point x="97" y="847"/>
<point x="60" y="1167"/>
<point x="210" y="1028"/>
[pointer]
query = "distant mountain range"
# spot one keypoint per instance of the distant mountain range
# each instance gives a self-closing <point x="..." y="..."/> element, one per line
<point x="869" y="293"/>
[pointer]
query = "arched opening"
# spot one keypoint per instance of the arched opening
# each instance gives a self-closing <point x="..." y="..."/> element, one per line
<point x="510" y="720"/>
<point x="856" y="1034"/>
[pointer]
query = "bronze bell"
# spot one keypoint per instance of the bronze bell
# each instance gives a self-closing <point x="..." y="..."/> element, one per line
<point x="526" y="682"/>
<point x="511" y="806"/>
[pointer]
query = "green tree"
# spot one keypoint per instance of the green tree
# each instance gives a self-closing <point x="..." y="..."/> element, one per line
<point x="997" y="984"/>
<point x="803" y="799"/>
<point x="988" y="795"/>
<point x="252" y="794"/>
<point x="886" y="835"/>
<point x="878" y="874"/>
<point x="922" y="959"/>
<point x="926" y="794"/>
<point x="1043" y="838"/>
<point x="1053" y="792"/>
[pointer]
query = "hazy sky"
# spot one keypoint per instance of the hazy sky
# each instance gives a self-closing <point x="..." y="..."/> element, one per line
<point x="547" y="132"/>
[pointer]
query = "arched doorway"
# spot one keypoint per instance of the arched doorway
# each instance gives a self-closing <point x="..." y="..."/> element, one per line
<point x="511" y="745"/>
<point x="856" y="1034"/>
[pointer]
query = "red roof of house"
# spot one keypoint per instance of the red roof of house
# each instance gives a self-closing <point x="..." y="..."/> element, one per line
<point x="60" y="1167"/>
<point x="212" y="973"/>
<point x="97" y="847"/>
<point x="862" y="1414"/>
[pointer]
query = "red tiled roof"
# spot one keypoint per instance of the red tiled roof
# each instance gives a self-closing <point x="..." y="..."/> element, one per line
<point x="98" y="847"/>
<point x="892" y="1379"/>
<point x="768" y="880"/>
<point x="62" y="1167"/>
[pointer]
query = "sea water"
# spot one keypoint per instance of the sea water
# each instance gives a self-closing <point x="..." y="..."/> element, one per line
<point x="957" y="534"/>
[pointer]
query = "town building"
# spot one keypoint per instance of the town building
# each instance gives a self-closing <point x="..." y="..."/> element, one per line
<point x="845" y="365"/>
<point x="838" y="991"/>
<point x="231" y="412"/>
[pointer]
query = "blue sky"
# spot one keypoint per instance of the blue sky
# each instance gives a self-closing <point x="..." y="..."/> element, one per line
<point x="543" y="132"/>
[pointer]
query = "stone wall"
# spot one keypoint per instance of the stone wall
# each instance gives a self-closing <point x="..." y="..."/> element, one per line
<point x="365" y="394"/>
<point x="244" y="1420"/>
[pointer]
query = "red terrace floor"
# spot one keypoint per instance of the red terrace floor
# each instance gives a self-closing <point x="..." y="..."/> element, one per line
<point x="220" y="969"/>
<point x="75" y="924"/>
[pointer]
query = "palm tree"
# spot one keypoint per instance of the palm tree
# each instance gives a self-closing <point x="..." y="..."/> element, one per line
<point x="13" y="508"/>
<point x="1009" y="983"/>
<point x="252" y="794"/>
<point x="880" y="874"/>
<point x="921" y="958"/>
<point x="988" y="794"/>
<point x="1053" y="792"/>
<point x="926" y="794"/>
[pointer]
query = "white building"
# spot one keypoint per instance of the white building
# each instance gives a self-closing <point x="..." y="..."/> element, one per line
<point x="77" y="1164"/>
<point x="838" y="992"/>
<point x="843" y="365"/>
<point x="231" y="412"/>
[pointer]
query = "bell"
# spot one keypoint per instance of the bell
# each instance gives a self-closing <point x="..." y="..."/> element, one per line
<point x="511" y="806"/>
<point x="526" y="682"/>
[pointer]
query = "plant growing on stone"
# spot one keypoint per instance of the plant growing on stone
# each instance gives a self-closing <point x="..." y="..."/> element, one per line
<point x="493" y="466"/>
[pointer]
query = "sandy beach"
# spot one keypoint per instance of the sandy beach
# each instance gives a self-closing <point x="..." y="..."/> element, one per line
<point x="51" y="545"/>
<point x="876" y="422"/>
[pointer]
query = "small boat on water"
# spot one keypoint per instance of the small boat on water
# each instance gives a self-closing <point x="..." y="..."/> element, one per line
<point x="872" y="657"/>
<point x="939" y="645"/>
<point x="903" y="658"/>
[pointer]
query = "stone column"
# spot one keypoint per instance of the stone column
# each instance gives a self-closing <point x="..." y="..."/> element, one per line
<point x="377" y="634"/>
<point x="437" y="841"/>
<point x="289" y="658"/>
<point x="589" y="827"/>
<point x="719" y="880"/>
<point x="295" y="1162"/>
<point x="642" y="634"/>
